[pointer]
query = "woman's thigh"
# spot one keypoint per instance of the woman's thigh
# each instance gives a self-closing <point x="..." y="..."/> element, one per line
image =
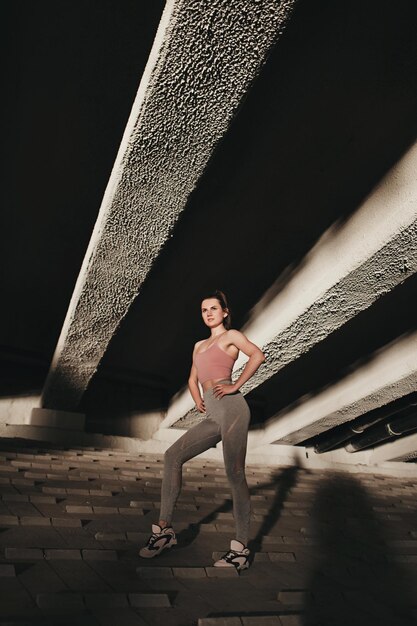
<point x="234" y="431"/>
<point x="196" y="440"/>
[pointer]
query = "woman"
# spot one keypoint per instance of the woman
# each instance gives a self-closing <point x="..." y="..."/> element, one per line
<point x="227" y="420"/>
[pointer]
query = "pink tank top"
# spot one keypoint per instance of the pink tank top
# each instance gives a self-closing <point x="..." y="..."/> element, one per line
<point x="213" y="363"/>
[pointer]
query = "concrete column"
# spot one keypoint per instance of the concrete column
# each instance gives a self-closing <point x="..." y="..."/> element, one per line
<point x="204" y="58"/>
<point x="57" y="419"/>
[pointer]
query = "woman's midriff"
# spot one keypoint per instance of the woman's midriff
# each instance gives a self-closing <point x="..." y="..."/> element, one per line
<point x="209" y="384"/>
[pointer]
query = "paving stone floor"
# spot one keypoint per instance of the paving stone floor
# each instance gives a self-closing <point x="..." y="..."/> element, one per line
<point x="330" y="548"/>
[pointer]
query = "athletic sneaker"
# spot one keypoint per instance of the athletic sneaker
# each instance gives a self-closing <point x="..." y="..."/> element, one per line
<point x="237" y="556"/>
<point x="160" y="539"/>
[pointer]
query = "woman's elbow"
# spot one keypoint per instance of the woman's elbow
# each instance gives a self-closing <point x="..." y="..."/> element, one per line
<point x="260" y="357"/>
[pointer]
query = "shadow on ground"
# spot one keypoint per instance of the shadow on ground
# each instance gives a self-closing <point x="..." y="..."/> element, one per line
<point x="354" y="579"/>
<point x="282" y="481"/>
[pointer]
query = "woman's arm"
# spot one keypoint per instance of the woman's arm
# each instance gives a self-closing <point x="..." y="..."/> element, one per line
<point x="256" y="357"/>
<point x="195" y="389"/>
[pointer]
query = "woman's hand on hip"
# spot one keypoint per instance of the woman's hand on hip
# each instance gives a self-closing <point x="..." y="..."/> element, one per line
<point x="222" y="389"/>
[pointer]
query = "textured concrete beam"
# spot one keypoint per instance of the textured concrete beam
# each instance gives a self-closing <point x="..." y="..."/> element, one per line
<point x="398" y="450"/>
<point x="204" y="58"/>
<point x="390" y="375"/>
<point x="352" y="265"/>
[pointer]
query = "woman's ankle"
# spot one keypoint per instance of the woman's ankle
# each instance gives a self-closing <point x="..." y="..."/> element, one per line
<point x="162" y="524"/>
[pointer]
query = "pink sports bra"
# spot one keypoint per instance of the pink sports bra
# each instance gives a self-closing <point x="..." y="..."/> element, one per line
<point x="213" y="363"/>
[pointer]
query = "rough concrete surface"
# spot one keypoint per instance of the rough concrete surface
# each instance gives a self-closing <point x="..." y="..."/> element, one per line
<point x="204" y="59"/>
<point x="387" y="376"/>
<point x="373" y="400"/>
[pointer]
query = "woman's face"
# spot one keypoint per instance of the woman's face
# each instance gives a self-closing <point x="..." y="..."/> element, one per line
<point x="212" y="313"/>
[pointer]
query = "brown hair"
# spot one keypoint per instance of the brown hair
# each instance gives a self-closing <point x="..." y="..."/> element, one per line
<point x="219" y="295"/>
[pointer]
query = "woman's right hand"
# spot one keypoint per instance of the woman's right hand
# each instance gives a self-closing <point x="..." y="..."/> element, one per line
<point x="200" y="406"/>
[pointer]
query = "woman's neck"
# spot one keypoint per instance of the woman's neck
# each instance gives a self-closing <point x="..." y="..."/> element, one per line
<point x="215" y="332"/>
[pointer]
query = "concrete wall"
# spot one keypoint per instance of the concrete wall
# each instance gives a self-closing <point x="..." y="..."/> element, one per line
<point x="17" y="410"/>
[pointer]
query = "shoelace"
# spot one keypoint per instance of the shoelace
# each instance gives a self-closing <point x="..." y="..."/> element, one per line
<point x="230" y="555"/>
<point x="154" y="537"/>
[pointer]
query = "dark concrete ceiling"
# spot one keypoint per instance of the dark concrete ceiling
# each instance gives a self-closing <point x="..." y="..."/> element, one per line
<point x="72" y="71"/>
<point x="332" y="111"/>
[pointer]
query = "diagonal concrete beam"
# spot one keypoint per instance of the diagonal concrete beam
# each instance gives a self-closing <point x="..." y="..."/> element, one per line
<point x="388" y="376"/>
<point x="352" y="265"/>
<point x="404" y="449"/>
<point x="204" y="58"/>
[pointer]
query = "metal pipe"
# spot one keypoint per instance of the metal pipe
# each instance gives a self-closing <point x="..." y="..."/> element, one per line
<point x="343" y="433"/>
<point x="383" y="432"/>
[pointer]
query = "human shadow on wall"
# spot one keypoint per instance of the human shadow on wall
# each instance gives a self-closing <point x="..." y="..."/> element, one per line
<point x="354" y="579"/>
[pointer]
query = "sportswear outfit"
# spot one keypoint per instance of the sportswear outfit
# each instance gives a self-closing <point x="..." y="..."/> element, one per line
<point x="227" y="420"/>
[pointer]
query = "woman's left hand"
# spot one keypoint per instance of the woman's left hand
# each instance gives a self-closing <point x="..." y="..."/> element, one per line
<point x="222" y="389"/>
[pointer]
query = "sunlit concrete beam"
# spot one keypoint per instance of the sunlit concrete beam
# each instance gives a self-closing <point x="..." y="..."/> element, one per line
<point x="204" y="58"/>
<point x="404" y="449"/>
<point x="350" y="267"/>
<point x="389" y="375"/>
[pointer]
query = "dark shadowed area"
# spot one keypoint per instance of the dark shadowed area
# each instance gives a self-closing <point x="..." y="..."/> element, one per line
<point x="343" y="588"/>
<point x="72" y="70"/>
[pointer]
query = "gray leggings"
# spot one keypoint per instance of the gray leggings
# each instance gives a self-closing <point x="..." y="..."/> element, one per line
<point x="227" y="421"/>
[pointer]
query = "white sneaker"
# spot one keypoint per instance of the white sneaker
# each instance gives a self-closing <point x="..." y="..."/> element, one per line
<point x="160" y="539"/>
<point x="236" y="557"/>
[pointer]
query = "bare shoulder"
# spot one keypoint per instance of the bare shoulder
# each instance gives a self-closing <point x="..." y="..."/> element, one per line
<point x="198" y="344"/>
<point x="241" y="342"/>
<point x="235" y="336"/>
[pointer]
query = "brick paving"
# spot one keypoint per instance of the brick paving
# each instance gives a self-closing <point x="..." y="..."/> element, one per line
<point x="329" y="548"/>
